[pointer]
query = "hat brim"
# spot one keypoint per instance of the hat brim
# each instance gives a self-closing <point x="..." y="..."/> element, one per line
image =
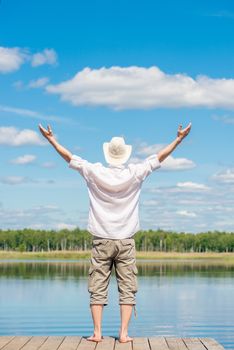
<point x="116" y="161"/>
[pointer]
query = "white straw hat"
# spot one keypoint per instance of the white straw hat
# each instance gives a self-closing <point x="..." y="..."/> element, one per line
<point x="116" y="152"/>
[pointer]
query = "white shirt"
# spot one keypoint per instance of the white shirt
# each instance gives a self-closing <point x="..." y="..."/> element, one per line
<point x="114" y="193"/>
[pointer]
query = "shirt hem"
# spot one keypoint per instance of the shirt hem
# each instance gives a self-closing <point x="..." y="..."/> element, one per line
<point x="111" y="237"/>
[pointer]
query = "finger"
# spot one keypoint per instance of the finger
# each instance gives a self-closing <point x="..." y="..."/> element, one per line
<point x="49" y="130"/>
<point x="187" y="128"/>
<point x="179" y="128"/>
<point x="43" y="131"/>
<point x="41" y="128"/>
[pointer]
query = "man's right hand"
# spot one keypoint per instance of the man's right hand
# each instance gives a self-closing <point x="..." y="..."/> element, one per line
<point x="47" y="133"/>
<point x="182" y="133"/>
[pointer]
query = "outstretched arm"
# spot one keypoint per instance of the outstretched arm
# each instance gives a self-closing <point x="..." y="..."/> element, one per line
<point x="48" y="134"/>
<point x="181" y="134"/>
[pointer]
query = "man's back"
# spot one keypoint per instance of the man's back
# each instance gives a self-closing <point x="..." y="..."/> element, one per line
<point x="114" y="193"/>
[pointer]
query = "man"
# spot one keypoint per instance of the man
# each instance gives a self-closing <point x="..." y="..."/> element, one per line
<point x="113" y="220"/>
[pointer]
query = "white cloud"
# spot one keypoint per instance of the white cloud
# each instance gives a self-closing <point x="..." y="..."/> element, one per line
<point x="226" y="177"/>
<point x="19" y="180"/>
<point x="192" y="186"/>
<point x="221" y="209"/>
<point x="44" y="209"/>
<point x="14" y="180"/>
<point x="186" y="213"/>
<point x="55" y="226"/>
<point x="147" y="150"/>
<point x="222" y="14"/>
<point x="47" y="56"/>
<point x="21" y="111"/>
<point x="144" y="150"/>
<point x="37" y="115"/>
<point x="25" y="159"/>
<point x="63" y="225"/>
<point x="46" y="216"/>
<point x="188" y="206"/>
<point x="11" y="58"/>
<point x="48" y="165"/>
<point x="150" y="203"/>
<point x="11" y="136"/>
<point x="38" y="83"/>
<point x="171" y="163"/>
<point x="18" y="85"/>
<point x="139" y="87"/>
<point x="225" y="223"/>
<point x="191" y="201"/>
<point x="182" y="188"/>
<point x="226" y="119"/>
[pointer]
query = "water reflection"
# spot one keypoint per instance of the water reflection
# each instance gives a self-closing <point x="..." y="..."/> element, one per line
<point x="175" y="298"/>
<point x="75" y="269"/>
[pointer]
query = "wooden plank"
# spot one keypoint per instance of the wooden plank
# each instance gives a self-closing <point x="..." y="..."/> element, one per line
<point x="123" y="346"/>
<point x="140" y="344"/>
<point x="5" y="339"/>
<point x="70" y="343"/>
<point x="86" y="345"/>
<point x="175" y="343"/>
<point x="194" y="344"/>
<point x="17" y="343"/>
<point x="108" y="343"/>
<point x="34" y="343"/>
<point x="211" y="344"/>
<point x="52" y="343"/>
<point x="157" y="343"/>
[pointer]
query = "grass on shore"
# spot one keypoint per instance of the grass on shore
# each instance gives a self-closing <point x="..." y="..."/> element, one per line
<point x="143" y="255"/>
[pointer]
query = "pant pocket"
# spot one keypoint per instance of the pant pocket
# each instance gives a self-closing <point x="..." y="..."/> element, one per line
<point x="134" y="278"/>
<point x="99" y="247"/>
<point x="128" y="242"/>
<point x="91" y="279"/>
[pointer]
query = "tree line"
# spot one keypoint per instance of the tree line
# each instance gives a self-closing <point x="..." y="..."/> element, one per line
<point x="81" y="240"/>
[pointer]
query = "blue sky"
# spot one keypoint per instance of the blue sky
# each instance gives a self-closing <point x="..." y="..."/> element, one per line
<point x="94" y="70"/>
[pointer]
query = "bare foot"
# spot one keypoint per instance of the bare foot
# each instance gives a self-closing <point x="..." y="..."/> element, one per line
<point x="125" y="339"/>
<point x="95" y="338"/>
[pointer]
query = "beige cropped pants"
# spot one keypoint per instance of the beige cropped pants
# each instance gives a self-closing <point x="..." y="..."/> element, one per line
<point x="105" y="254"/>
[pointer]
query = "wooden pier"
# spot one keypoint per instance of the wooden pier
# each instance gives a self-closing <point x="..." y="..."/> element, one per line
<point x="108" y="343"/>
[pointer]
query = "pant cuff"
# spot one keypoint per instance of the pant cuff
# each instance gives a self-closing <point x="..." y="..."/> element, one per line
<point x="127" y="303"/>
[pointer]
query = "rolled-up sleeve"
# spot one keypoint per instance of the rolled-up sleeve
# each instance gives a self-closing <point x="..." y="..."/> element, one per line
<point x="145" y="168"/>
<point x="81" y="165"/>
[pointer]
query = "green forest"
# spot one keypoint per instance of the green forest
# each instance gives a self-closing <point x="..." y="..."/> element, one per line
<point x="29" y="240"/>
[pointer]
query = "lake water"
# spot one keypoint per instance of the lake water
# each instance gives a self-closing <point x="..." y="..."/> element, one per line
<point x="182" y="299"/>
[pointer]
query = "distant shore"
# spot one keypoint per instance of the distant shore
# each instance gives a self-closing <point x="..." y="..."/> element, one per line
<point x="141" y="255"/>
